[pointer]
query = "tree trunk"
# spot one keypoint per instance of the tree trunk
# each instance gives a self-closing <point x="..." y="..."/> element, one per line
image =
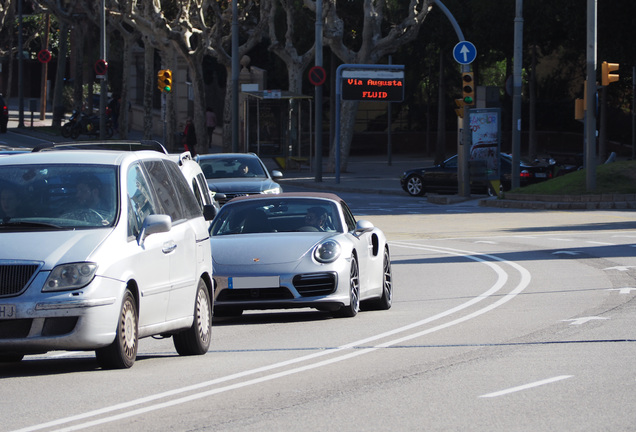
<point x="198" y="89"/>
<point x="124" y="119"/>
<point x="58" y="90"/>
<point x="227" y="111"/>
<point x="348" y="113"/>
<point x="149" y="81"/>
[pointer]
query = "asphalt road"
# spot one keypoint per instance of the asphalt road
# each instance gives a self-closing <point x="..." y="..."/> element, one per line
<point x="502" y="320"/>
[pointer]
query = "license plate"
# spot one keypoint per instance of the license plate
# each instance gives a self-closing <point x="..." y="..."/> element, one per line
<point x="7" y="311"/>
<point x="253" y="282"/>
<point x="540" y="175"/>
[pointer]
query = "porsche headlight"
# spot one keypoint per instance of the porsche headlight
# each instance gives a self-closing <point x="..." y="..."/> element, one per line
<point x="70" y="276"/>
<point x="327" y="251"/>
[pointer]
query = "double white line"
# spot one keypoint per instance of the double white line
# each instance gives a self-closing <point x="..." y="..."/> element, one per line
<point x="337" y="354"/>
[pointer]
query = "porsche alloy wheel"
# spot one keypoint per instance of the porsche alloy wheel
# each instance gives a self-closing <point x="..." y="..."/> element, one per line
<point x="352" y="309"/>
<point x="386" y="300"/>
<point x="415" y="185"/>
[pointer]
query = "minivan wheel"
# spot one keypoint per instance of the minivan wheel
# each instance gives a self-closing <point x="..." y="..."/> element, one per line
<point x="122" y="353"/>
<point x="196" y="339"/>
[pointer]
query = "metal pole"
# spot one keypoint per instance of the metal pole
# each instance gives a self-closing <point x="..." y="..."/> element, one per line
<point x="590" y="113"/>
<point x="318" y="94"/>
<point x="20" y="69"/>
<point x="516" y="96"/>
<point x="389" y="146"/>
<point x="104" y="84"/>
<point x="634" y="113"/>
<point x="235" y="76"/>
<point x="45" y="68"/>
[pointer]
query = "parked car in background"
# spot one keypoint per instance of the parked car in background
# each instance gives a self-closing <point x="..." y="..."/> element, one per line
<point x="102" y="248"/>
<point x="238" y="174"/>
<point x="442" y="178"/>
<point x="4" y="114"/>
<point x="296" y="250"/>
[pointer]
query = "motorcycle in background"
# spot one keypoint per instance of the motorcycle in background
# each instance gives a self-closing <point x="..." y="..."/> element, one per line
<point x="83" y="124"/>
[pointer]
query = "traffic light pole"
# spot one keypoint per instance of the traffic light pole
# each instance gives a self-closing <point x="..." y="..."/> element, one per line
<point x="516" y="96"/>
<point x="590" y="113"/>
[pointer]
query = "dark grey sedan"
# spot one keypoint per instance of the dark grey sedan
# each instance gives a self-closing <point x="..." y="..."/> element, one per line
<point x="238" y="174"/>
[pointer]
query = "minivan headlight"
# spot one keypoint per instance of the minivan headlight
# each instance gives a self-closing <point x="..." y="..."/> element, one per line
<point x="70" y="276"/>
<point x="328" y="251"/>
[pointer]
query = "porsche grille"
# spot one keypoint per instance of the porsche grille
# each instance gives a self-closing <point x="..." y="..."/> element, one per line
<point x="315" y="284"/>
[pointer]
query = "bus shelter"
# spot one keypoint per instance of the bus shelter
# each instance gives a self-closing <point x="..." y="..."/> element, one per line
<point x="278" y="124"/>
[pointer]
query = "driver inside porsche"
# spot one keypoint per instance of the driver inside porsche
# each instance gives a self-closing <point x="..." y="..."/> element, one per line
<point x="316" y="217"/>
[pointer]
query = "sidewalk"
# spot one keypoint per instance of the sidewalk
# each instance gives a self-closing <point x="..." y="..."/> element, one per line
<point x="374" y="174"/>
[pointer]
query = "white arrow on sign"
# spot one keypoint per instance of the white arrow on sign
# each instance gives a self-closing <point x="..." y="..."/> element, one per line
<point x="583" y="320"/>
<point x="464" y="51"/>
<point x="624" y="290"/>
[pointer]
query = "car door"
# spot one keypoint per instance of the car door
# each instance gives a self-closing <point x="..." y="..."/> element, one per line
<point x="362" y="243"/>
<point x="177" y="200"/>
<point x="148" y="261"/>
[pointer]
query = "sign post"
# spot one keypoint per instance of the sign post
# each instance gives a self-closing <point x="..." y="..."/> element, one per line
<point x="101" y="67"/>
<point x="317" y="75"/>
<point x="464" y="53"/>
<point x="380" y="83"/>
<point x="44" y="56"/>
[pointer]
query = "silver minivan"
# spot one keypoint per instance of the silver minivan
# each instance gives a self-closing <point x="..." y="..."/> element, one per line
<point x="99" y="249"/>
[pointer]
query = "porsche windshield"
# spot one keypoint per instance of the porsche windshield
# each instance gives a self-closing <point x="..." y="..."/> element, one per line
<point x="277" y="215"/>
<point x="61" y="196"/>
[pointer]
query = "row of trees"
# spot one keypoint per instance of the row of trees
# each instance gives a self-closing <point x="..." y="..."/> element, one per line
<point x="355" y="31"/>
<point x="192" y="30"/>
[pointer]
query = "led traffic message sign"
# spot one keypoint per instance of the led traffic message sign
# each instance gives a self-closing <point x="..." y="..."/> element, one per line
<point x="373" y="85"/>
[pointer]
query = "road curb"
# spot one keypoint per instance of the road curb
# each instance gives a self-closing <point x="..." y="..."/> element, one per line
<point x="564" y="202"/>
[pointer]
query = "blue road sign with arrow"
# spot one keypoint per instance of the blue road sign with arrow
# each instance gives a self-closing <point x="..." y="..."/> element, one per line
<point x="464" y="52"/>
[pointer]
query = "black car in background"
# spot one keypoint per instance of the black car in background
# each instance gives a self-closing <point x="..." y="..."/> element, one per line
<point x="4" y="115"/>
<point x="442" y="178"/>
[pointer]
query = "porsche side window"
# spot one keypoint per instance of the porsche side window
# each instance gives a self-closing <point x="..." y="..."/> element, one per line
<point x="349" y="219"/>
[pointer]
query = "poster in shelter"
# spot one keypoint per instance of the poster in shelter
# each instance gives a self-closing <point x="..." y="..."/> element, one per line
<point x="486" y="138"/>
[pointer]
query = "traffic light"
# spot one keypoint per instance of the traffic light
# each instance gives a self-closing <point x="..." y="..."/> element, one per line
<point x="460" y="108"/>
<point x="579" y="109"/>
<point x="468" y="88"/>
<point x="164" y="80"/>
<point x="606" y="76"/>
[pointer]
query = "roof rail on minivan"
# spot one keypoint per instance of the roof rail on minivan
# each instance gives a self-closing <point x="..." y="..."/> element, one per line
<point x="103" y="145"/>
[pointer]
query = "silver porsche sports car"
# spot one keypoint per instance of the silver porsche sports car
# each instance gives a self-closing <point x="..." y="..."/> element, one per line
<point x="294" y="250"/>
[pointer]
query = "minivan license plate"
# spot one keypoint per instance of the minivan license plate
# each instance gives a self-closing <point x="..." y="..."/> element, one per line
<point x="7" y="311"/>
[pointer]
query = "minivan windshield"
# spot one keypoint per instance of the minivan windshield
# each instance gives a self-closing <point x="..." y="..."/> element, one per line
<point x="65" y="196"/>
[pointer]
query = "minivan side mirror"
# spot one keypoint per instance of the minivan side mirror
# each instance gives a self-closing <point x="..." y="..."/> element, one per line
<point x="154" y="224"/>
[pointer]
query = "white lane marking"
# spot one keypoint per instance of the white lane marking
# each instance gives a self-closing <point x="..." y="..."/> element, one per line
<point x="600" y="243"/>
<point x="501" y="280"/>
<point x="620" y="268"/>
<point x="583" y="320"/>
<point x="624" y="290"/>
<point x="526" y="386"/>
